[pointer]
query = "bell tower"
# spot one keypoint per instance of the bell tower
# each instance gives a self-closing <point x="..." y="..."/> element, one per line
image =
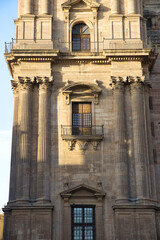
<point x="82" y="162"/>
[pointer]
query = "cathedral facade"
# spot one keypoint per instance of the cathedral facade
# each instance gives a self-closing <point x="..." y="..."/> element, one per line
<point x="85" y="162"/>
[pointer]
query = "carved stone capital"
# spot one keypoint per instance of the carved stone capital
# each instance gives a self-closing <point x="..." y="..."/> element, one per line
<point x="136" y="84"/>
<point x="45" y="83"/>
<point x="25" y="83"/>
<point x="14" y="87"/>
<point x="117" y="84"/>
<point x="26" y="79"/>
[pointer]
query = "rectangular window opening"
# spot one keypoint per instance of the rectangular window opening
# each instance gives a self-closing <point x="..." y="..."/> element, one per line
<point x="81" y="118"/>
<point x="83" y="222"/>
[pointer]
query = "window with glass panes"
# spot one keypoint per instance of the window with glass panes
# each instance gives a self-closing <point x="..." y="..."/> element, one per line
<point x="83" y="222"/>
<point x="80" y="37"/>
<point x="81" y="118"/>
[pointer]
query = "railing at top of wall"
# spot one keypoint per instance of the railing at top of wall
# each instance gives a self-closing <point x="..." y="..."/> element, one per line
<point x="106" y="43"/>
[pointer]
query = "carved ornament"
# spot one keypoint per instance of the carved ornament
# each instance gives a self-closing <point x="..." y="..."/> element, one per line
<point x="14" y="87"/>
<point x="25" y="83"/>
<point x="118" y="83"/>
<point x="81" y="90"/>
<point x="45" y="83"/>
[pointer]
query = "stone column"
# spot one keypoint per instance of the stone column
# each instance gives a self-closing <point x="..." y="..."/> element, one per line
<point x="151" y="171"/>
<point x="27" y="6"/>
<point x="139" y="138"/>
<point x="44" y="7"/>
<point x="132" y="7"/>
<point x="23" y="169"/>
<point x="43" y="156"/>
<point x="115" y="6"/>
<point x="12" y="191"/>
<point x="121" y="167"/>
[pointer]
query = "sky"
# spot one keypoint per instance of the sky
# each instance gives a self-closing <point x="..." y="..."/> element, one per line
<point x="9" y="12"/>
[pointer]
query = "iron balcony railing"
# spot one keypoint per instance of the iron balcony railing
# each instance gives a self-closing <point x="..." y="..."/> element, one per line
<point x="94" y="130"/>
<point x="97" y="47"/>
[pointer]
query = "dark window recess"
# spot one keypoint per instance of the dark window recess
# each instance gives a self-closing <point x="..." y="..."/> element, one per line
<point x="80" y="37"/>
<point x="152" y="129"/>
<point x="83" y="222"/>
<point x="81" y="119"/>
<point x="149" y="23"/>
<point x="151" y="103"/>
<point x="155" y="155"/>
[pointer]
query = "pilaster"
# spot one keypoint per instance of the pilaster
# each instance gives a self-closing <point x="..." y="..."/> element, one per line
<point x="44" y="7"/>
<point x="23" y="168"/>
<point x="115" y="6"/>
<point x="12" y="191"/>
<point x="132" y="7"/>
<point x="139" y="138"/>
<point x="27" y="6"/>
<point x="43" y="155"/>
<point x="121" y="168"/>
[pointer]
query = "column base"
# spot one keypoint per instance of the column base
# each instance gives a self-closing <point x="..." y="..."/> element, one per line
<point x="43" y="201"/>
<point x="133" y="221"/>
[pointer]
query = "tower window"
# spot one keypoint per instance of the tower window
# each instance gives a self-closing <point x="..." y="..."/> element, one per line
<point x="80" y="37"/>
<point x="83" y="222"/>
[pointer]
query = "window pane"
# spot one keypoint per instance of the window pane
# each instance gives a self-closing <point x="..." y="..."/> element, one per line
<point x="78" y="215"/>
<point x="88" y="233"/>
<point x="76" y="29"/>
<point x="88" y="215"/>
<point x="76" y="44"/>
<point x="77" y="119"/>
<point x="85" y="29"/>
<point x="77" y="233"/>
<point x="85" y="43"/>
<point x="87" y="121"/>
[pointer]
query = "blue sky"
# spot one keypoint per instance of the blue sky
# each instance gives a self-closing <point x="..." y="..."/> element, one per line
<point x="9" y="11"/>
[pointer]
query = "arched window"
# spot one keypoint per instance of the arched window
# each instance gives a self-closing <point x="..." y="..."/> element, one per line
<point x="80" y="37"/>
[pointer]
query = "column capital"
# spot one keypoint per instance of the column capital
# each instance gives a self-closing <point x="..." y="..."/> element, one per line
<point x="14" y="87"/>
<point x="117" y="83"/>
<point x="26" y="83"/>
<point x="45" y="83"/>
<point x="136" y="83"/>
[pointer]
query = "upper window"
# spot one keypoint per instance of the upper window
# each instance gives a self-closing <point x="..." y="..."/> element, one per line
<point x="80" y="37"/>
<point x="83" y="222"/>
<point x="81" y="118"/>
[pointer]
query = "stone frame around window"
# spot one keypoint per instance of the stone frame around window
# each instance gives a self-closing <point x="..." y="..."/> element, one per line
<point x="83" y="195"/>
<point x="82" y="92"/>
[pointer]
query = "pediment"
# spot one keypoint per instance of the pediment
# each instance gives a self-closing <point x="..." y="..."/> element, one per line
<point x="80" y="4"/>
<point x="81" y="89"/>
<point x="83" y="191"/>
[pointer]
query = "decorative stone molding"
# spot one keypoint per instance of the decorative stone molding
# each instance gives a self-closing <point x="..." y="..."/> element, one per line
<point x="83" y="143"/>
<point x="118" y="82"/>
<point x="71" y="145"/>
<point x="81" y="90"/>
<point x="91" y="5"/>
<point x="26" y="83"/>
<point x="95" y="145"/>
<point x="14" y="87"/>
<point x="45" y="83"/>
<point x="82" y="190"/>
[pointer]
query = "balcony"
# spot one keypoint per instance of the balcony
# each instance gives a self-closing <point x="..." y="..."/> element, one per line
<point x="95" y="47"/>
<point x="82" y="135"/>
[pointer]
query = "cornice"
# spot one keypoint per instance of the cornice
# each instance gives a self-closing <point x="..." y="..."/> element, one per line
<point x="56" y="57"/>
